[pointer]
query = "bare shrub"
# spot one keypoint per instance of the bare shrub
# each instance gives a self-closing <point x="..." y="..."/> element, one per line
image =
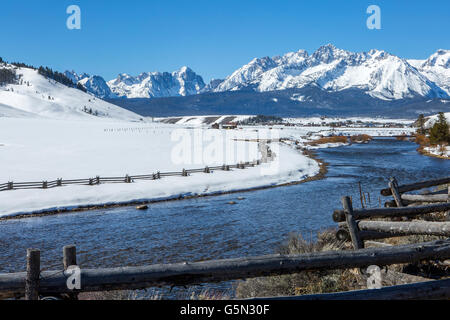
<point x="361" y="138"/>
<point x="332" y="139"/>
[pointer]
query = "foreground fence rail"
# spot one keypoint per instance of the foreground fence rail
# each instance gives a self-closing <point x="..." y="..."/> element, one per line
<point x="438" y="289"/>
<point x="182" y="274"/>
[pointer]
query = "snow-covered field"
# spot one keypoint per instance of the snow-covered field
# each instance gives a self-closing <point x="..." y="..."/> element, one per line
<point x="44" y="149"/>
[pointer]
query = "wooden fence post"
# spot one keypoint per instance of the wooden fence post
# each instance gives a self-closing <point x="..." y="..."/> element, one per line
<point x="70" y="259"/>
<point x="33" y="274"/>
<point x="352" y="225"/>
<point x="395" y="193"/>
<point x="360" y="194"/>
<point x="69" y="256"/>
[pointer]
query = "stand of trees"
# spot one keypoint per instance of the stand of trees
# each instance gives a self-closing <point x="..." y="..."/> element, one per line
<point x="55" y="75"/>
<point x="22" y="65"/>
<point x="7" y="76"/>
<point x="439" y="133"/>
<point x="262" y="119"/>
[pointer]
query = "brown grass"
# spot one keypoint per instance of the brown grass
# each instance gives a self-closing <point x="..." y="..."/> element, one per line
<point x="422" y="140"/>
<point x="403" y="137"/>
<point x="324" y="140"/>
<point x="307" y="282"/>
<point x="361" y="138"/>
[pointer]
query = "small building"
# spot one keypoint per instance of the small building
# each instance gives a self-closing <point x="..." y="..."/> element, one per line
<point x="229" y="126"/>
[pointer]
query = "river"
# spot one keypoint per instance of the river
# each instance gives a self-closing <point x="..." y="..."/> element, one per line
<point x="210" y="228"/>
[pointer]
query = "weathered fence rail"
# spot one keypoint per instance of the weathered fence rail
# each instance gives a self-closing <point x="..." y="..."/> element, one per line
<point x="425" y="198"/>
<point x="182" y="274"/>
<point x="339" y="215"/>
<point x="417" y="186"/>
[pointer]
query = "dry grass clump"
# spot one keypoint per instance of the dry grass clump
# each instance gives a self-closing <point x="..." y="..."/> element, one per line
<point x="110" y="295"/>
<point x="402" y="137"/>
<point x="332" y="139"/>
<point x="307" y="282"/>
<point x="423" y="141"/>
<point x="361" y="138"/>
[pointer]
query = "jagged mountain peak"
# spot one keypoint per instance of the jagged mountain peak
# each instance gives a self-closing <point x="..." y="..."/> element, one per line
<point x="181" y="82"/>
<point x="95" y="85"/>
<point x="441" y="58"/>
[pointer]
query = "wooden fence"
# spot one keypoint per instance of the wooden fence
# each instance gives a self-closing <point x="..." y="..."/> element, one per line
<point x="353" y="227"/>
<point x="34" y="284"/>
<point x="125" y="179"/>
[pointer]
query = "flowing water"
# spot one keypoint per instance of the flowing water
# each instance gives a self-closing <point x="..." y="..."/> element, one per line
<point x="210" y="228"/>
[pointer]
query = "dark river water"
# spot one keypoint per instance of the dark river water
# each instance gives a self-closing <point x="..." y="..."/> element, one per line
<point x="210" y="228"/>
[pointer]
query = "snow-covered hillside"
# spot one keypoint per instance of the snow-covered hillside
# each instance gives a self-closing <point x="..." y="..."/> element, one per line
<point x="432" y="120"/>
<point x="183" y="82"/>
<point x="36" y="96"/>
<point x="380" y="74"/>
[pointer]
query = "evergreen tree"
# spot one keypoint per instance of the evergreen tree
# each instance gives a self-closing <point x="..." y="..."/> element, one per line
<point x="7" y="76"/>
<point x="421" y="125"/>
<point x="439" y="133"/>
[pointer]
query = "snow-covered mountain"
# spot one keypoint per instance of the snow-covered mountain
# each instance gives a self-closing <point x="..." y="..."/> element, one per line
<point x="378" y="73"/>
<point x="93" y="84"/>
<point x="34" y="96"/>
<point x="183" y="82"/>
<point x="436" y="68"/>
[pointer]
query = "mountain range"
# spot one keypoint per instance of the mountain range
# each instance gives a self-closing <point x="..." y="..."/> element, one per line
<point x="377" y="73"/>
<point x="330" y="81"/>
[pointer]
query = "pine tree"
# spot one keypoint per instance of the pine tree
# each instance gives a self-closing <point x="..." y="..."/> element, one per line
<point x="439" y="133"/>
<point x="421" y="124"/>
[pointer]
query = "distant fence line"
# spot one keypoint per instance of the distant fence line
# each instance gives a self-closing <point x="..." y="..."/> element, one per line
<point x="126" y="179"/>
<point x="266" y="152"/>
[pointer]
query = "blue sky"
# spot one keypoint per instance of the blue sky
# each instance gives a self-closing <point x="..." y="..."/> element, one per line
<point x="212" y="37"/>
